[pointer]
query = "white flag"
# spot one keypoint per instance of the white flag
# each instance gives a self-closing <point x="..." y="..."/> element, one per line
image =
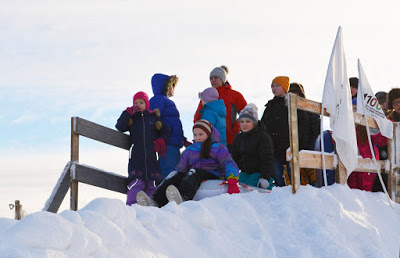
<point x="367" y="99"/>
<point x="337" y="101"/>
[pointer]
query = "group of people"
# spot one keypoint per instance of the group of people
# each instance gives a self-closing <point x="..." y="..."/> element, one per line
<point x="229" y="141"/>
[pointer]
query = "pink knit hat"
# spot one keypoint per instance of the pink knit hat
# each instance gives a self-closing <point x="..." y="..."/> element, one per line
<point x="142" y="95"/>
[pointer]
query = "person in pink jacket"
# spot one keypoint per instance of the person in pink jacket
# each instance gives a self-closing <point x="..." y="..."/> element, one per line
<point x="364" y="180"/>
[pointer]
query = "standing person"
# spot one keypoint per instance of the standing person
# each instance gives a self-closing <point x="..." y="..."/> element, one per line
<point x="234" y="101"/>
<point x="148" y="135"/>
<point x="353" y="87"/>
<point x="164" y="88"/>
<point x="275" y="119"/>
<point x="214" y="111"/>
<point x="382" y="97"/>
<point x="205" y="159"/>
<point x="253" y="150"/>
<point x="394" y="105"/>
<point x="364" y="180"/>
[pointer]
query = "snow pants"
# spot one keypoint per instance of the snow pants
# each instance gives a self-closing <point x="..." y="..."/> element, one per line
<point x="171" y="159"/>
<point x="187" y="184"/>
<point x="137" y="185"/>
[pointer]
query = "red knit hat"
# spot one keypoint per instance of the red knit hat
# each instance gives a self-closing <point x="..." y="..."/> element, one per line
<point x="204" y="125"/>
<point x="142" y="95"/>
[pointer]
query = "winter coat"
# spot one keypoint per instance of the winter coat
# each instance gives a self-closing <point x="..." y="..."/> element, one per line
<point x="364" y="180"/>
<point x="234" y="103"/>
<point x="215" y="112"/>
<point x="143" y="163"/>
<point x="253" y="151"/>
<point x="393" y="116"/>
<point x="276" y="120"/>
<point x="314" y="128"/>
<point x="169" y="112"/>
<point x="220" y="162"/>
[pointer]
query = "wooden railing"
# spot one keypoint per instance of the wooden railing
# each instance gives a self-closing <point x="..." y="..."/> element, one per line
<point x="307" y="159"/>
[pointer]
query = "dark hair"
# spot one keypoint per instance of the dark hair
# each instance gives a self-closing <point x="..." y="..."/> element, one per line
<point x="353" y="82"/>
<point x="393" y="94"/>
<point x="172" y="80"/>
<point x="297" y="87"/>
<point x="206" y="148"/>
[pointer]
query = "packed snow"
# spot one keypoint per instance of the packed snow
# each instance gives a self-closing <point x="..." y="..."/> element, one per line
<point x="332" y="222"/>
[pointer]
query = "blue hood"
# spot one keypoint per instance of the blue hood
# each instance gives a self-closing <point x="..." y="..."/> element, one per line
<point x="158" y="83"/>
<point x="218" y="106"/>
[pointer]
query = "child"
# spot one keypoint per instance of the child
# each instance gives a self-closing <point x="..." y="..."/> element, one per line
<point x="275" y="118"/>
<point x="205" y="159"/>
<point x="164" y="88"/>
<point x="214" y="111"/>
<point x="364" y="180"/>
<point x="253" y="150"/>
<point x="148" y="136"/>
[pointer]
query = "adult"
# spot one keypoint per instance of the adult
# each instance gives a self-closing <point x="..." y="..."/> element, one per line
<point x="382" y="97"/>
<point x="394" y="105"/>
<point x="164" y="88"/>
<point x="353" y="87"/>
<point x="233" y="100"/>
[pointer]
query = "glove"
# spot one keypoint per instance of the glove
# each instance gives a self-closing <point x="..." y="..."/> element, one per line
<point x="160" y="147"/>
<point x="187" y="143"/>
<point x="263" y="183"/>
<point x="233" y="186"/>
<point x="131" y="110"/>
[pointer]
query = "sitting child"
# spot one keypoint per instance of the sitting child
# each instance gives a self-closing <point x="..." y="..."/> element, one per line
<point x="253" y="150"/>
<point x="214" y="111"/>
<point x="205" y="159"/>
<point x="148" y="136"/>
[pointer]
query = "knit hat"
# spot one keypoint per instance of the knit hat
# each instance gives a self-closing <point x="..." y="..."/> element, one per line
<point x="209" y="94"/>
<point x="354" y="101"/>
<point x="142" y="95"/>
<point x="250" y="111"/>
<point x="353" y="82"/>
<point x="381" y="96"/>
<point x="220" y="72"/>
<point x="283" y="81"/>
<point x="204" y="125"/>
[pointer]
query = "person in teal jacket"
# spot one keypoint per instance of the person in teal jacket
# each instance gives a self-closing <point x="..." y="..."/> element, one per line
<point x="214" y="111"/>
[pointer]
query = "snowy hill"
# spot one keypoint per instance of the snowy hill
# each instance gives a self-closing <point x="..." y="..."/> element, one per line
<point x="337" y="222"/>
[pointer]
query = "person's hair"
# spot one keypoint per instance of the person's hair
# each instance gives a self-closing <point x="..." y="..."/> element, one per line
<point x="353" y="82"/>
<point x="206" y="148"/>
<point x="171" y="81"/>
<point x="393" y="94"/>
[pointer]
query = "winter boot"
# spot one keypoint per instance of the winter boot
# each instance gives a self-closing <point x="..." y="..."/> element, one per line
<point x="173" y="194"/>
<point x="144" y="200"/>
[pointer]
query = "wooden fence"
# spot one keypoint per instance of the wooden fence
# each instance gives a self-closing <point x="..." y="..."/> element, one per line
<point x="75" y="173"/>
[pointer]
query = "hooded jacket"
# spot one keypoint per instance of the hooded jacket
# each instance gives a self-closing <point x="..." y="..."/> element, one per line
<point x="220" y="162"/>
<point x="215" y="112"/>
<point x="169" y="113"/>
<point x="143" y="163"/>
<point x="253" y="151"/>
<point x="234" y="103"/>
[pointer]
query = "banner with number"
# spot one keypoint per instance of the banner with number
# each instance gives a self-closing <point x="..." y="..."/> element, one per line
<point x="367" y="104"/>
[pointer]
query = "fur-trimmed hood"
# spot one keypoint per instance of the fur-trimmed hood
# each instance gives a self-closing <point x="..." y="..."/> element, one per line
<point x="160" y="83"/>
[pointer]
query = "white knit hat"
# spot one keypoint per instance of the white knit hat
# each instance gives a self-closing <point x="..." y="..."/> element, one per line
<point x="250" y="111"/>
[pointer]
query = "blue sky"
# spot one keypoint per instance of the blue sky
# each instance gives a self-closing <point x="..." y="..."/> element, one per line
<point x="87" y="59"/>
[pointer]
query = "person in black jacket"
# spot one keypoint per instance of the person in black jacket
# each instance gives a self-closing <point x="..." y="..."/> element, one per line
<point x="314" y="120"/>
<point x="276" y="120"/>
<point x="253" y="151"/>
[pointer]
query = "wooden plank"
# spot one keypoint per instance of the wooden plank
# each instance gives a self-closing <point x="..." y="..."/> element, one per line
<point x="74" y="158"/>
<point x="294" y="142"/>
<point x="315" y="107"/>
<point x="101" y="133"/>
<point x="100" y="178"/>
<point x="60" y="191"/>
<point x="341" y="173"/>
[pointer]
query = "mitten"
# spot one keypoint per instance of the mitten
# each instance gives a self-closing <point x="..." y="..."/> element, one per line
<point x="233" y="186"/>
<point x="131" y="110"/>
<point x="187" y="143"/>
<point x="263" y="183"/>
<point x="160" y="147"/>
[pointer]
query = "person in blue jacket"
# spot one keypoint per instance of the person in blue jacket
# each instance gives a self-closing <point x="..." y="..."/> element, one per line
<point x="214" y="111"/>
<point x="148" y="135"/>
<point x="164" y="88"/>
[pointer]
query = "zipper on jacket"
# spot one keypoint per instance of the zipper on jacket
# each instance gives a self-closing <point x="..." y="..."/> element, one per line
<point x="144" y="145"/>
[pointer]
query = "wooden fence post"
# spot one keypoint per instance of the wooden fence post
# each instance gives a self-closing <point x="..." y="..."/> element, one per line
<point x="18" y="210"/>
<point x="294" y="142"/>
<point x="74" y="158"/>
<point x="393" y="156"/>
<point x="341" y="173"/>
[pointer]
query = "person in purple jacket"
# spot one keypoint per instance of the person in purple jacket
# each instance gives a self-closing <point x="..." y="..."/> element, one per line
<point x="205" y="159"/>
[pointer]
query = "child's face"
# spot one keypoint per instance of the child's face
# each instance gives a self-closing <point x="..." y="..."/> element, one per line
<point x="353" y="91"/>
<point x="171" y="90"/>
<point x="140" y="104"/>
<point x="277" y="90"/>
<point x="396" y="105"/>
<point x="246" y="125"/>
<point x="199" y="135"/>
<point x="354" y="108"/>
